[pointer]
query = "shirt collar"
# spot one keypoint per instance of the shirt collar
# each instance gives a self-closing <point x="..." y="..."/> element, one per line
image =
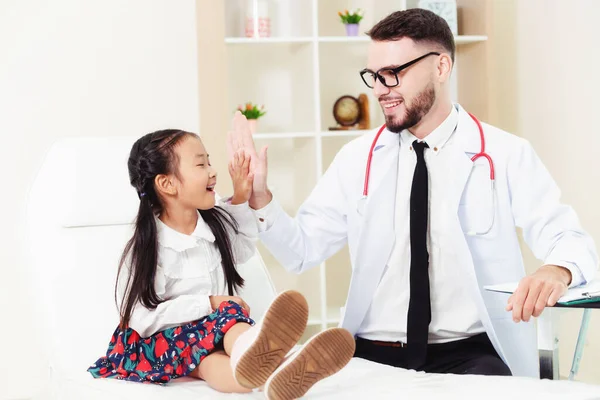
<point x="438" y="137"/>
<point x="169" y="237"/>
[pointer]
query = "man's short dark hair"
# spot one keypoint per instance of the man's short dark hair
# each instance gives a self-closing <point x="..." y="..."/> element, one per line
<point x="422" y="26"/>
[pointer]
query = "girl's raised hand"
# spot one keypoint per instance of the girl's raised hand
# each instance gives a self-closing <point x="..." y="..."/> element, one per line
<point x="241" y="176"/>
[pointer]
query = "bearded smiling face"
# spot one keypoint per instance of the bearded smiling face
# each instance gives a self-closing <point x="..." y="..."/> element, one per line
<point x="405" y="79"/>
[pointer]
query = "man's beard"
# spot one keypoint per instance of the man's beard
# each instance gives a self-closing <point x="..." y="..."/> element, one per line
<point x="419" y="108"/>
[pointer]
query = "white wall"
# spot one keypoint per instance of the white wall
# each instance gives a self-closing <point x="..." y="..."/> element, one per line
<point x="78" y="68"/>
<point x="557" y="93"/>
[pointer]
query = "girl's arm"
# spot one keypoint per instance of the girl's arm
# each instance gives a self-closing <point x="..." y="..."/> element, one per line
<point x="243" y="245"/>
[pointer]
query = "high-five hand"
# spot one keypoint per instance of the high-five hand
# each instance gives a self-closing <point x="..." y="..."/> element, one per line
<point x="240" y="138"/>
<point x="241" y="176"/>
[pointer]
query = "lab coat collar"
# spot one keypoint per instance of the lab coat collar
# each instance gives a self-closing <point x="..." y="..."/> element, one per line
<point x="387" y="139"/>
<point x="385" y="158"/>
<point x="467" y="132"/>
<point x="169" y="237"/>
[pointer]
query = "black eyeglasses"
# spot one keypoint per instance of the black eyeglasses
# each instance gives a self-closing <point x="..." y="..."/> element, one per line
<point x="389" y="76"/>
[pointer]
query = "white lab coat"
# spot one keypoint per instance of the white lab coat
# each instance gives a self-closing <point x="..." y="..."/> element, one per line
<point x="526" y="197"/>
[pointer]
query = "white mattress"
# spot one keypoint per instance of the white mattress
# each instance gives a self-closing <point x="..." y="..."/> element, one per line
<point x="360" y="379"/>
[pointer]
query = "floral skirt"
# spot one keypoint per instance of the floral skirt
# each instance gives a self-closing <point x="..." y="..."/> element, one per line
<point x="167" y="354"/>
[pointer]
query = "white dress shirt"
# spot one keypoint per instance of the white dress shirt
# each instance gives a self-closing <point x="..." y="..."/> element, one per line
<point x="189" y="271"/>
<point x="453" y="313"/>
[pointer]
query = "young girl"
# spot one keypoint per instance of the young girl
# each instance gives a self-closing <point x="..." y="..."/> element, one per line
<point x="177" y="282"/>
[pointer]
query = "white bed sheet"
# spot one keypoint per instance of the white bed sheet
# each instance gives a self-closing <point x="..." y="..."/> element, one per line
<point x="360" y="379"/>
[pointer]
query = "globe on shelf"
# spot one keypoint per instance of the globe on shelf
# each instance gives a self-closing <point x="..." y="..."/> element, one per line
<point x="351" y="112"/>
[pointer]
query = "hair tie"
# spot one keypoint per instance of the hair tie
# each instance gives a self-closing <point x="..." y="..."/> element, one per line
<point x="142" y="194"/>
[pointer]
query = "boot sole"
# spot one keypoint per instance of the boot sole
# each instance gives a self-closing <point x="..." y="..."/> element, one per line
<point x="283" y="325"/>
<point x="322" y="356"/>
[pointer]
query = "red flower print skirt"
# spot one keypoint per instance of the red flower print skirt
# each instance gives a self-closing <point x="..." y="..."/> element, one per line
<point x="167" y="354"/>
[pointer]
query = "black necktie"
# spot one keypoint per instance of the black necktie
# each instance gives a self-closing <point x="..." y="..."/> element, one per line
<point x="419" y="306"/>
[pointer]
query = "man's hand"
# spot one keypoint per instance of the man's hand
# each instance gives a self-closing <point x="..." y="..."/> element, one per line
<point x="535" y="292"/>
<point x="240" y="138"/>
<point x="215" y="301"/>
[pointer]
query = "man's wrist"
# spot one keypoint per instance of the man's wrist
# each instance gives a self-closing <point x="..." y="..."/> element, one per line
<point x="260" y="200"/>
<point x="563" y="273"/>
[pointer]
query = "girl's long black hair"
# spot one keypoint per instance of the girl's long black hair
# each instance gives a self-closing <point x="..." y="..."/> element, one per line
<point x="152" y="155"/>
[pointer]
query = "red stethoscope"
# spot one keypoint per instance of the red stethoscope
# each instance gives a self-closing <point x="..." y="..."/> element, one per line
<point x="481" y="153"/>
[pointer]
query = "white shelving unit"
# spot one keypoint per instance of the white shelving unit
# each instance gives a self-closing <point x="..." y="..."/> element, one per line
<point x="460" y="39"/>
<point x="298" y="73"/>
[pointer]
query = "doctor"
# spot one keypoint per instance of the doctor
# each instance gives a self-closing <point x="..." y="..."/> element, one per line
<point x="429" y="209"/>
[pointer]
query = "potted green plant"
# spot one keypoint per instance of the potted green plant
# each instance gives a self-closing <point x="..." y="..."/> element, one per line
<point x="252" y="112"/>
<point x="351" y="19"/>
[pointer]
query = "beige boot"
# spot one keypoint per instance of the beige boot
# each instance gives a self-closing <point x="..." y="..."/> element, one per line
<point x="258" y="352"/>
<point x="322" y="356"/>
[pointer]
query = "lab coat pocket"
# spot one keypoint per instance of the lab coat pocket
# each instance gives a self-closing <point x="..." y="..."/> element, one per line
<point x="476" y="209"/>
